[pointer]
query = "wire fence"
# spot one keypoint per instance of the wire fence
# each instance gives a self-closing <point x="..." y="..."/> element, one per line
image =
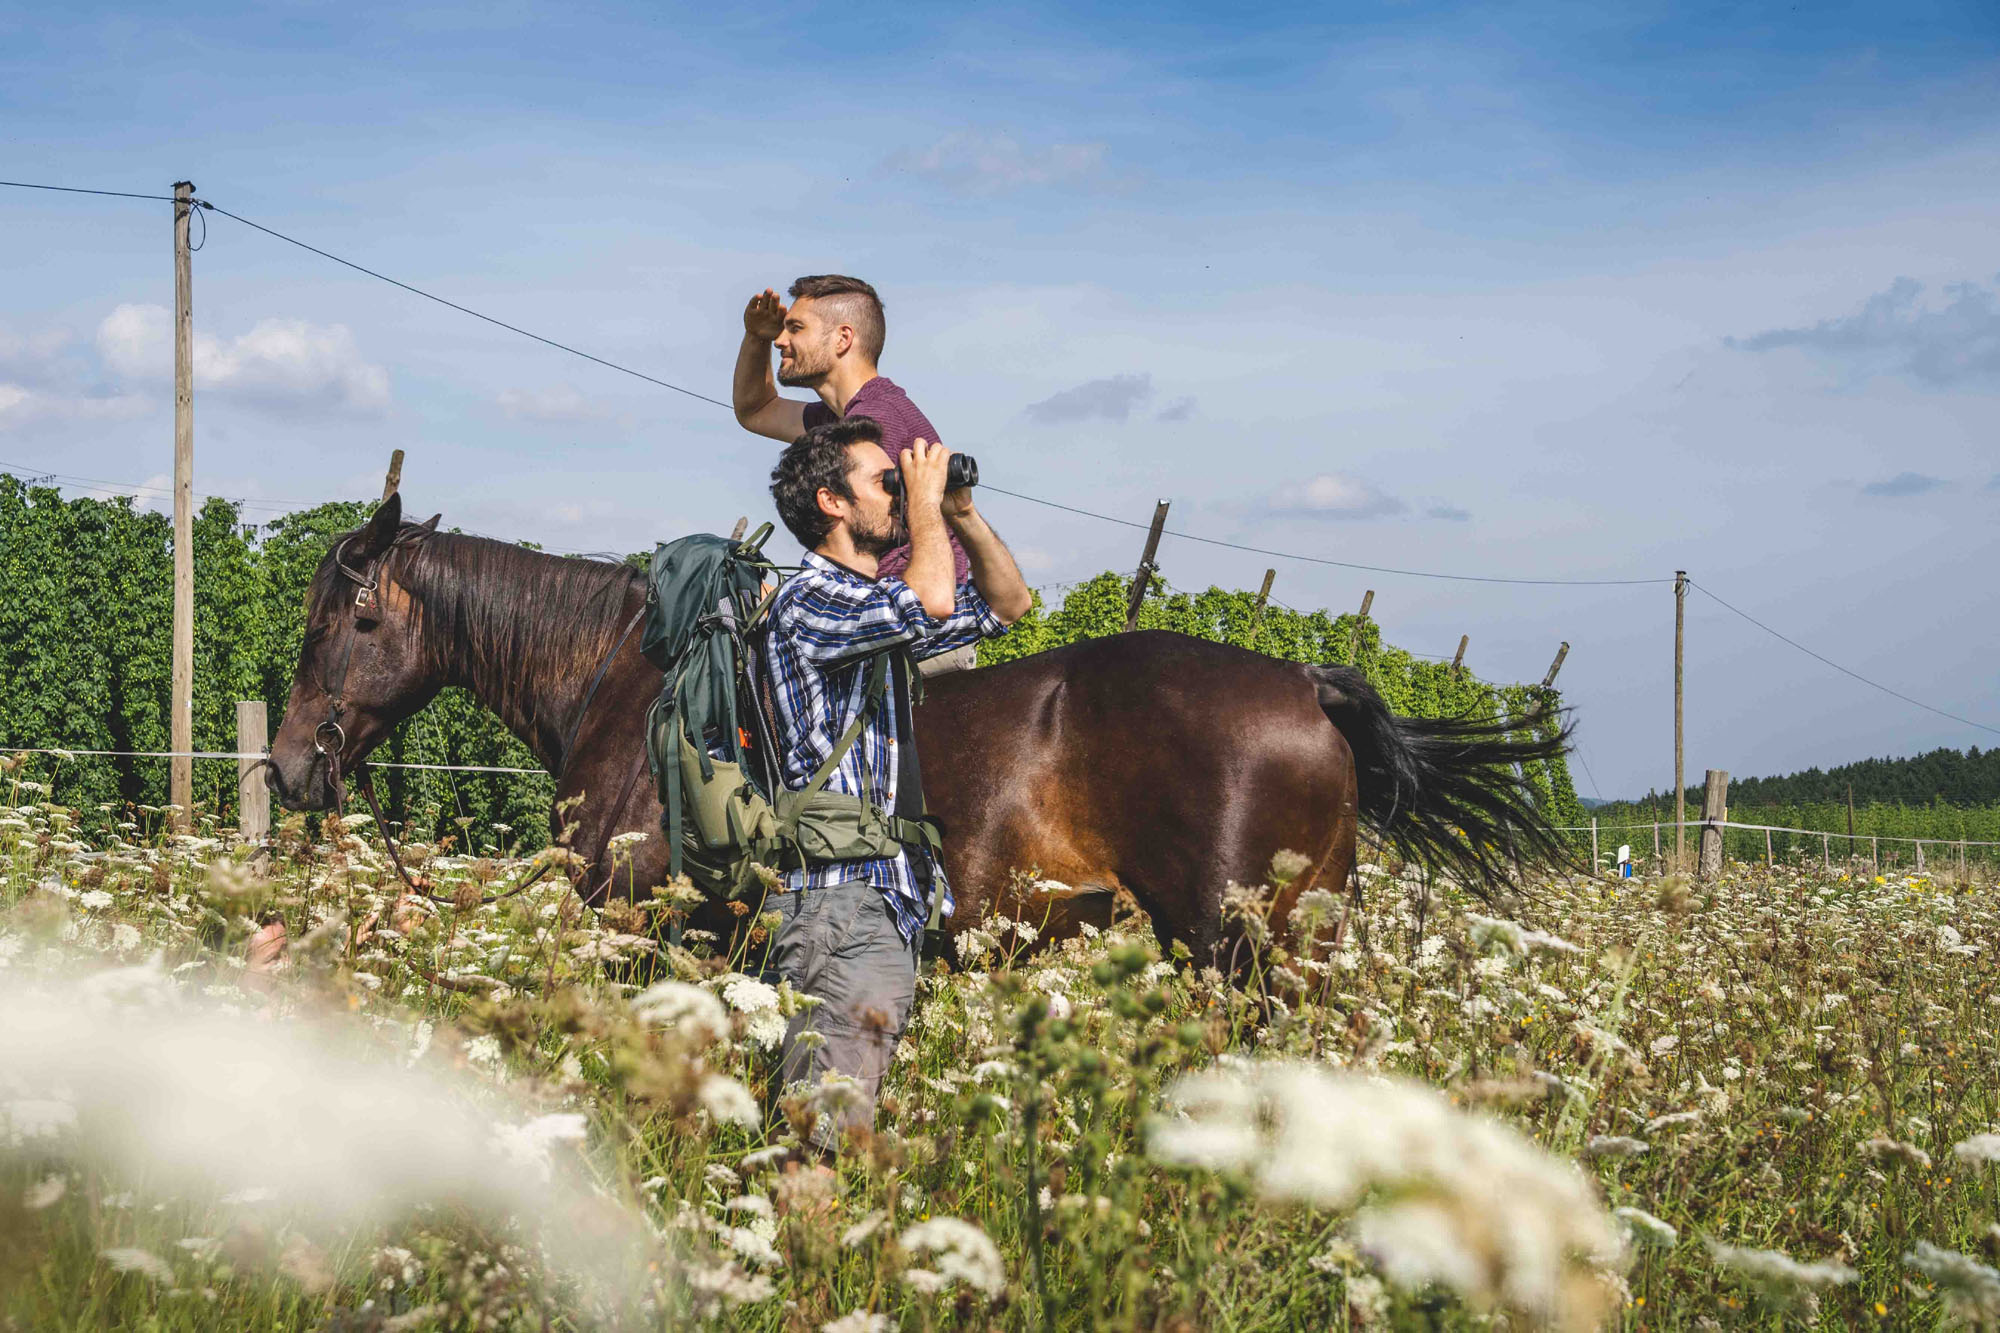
<point x="1779" y="842"/>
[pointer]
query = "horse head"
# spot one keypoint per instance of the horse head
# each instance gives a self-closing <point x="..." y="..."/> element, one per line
<point x="361" y="669"/>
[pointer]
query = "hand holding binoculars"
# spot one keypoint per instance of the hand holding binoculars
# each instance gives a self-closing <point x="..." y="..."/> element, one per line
<point x="961" y="471"/>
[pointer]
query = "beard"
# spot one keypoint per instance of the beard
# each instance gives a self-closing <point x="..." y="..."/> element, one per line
<point x="878" y="541"/>
<point x="806" y="368"/>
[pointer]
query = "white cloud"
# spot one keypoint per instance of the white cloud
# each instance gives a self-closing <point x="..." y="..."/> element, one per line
<point x="994" y="163"/>
<point x="1336" y="495"/>
<point x="558" y="403"/>
<point x="1897" y="330"/>
<point x="22" y="406"/>
<point x="278" y="363"/>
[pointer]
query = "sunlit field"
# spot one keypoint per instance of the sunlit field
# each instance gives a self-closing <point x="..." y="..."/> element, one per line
<point x="255" y="1093"/>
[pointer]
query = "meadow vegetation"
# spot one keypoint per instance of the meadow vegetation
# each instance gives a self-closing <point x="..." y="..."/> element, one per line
<point x="1765" y="1101"/>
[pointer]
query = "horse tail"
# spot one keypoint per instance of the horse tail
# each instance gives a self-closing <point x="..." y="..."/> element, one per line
<point x="1446" y="792"/>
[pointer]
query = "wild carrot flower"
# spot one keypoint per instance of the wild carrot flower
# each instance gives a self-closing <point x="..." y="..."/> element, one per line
<point x="1970" y="1289"/>
<point x="961" y="1253"/>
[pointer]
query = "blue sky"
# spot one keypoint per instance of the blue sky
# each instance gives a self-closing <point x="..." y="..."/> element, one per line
<point x="1575" y="291"/>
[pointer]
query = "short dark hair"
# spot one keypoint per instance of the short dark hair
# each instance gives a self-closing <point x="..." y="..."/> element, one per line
<point x="817" y="459"/>
<point x="859" y="304"/>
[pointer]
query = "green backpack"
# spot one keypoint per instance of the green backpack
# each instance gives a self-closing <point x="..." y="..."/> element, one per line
<point x="711" y="744"/>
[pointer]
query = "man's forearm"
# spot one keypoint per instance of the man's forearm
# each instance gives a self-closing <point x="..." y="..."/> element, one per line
<point x="930" y="570"/>
<point x="754" y="386"/>
<point x="994" y="572"/>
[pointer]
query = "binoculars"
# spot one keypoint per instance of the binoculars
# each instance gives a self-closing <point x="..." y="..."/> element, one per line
<point x="961" y="471"/>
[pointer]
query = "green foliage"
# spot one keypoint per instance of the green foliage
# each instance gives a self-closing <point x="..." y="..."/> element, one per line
<point x="86" y="660"/>
<point x="86" y="635"/>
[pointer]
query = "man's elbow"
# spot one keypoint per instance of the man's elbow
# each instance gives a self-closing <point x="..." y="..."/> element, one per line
<point x="1012" y="611"/>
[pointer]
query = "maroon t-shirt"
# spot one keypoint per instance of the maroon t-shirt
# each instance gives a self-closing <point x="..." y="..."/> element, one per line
<point x="902" y="424"/>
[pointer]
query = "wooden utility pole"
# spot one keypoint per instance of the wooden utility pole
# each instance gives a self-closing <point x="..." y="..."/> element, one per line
<point x="1714" y="814"/>
<point x="253" y="794"/>
<point x="1680" y="773"/>
<point x="1458" y="660"/>
<point x="1257" y="613"/>
<point x="1549" y="681"/>
<point x="395" y="477"/>
<point x="180" y="730"/>
<point x="1146" y="566"/>
<point x="1360" y="619"/>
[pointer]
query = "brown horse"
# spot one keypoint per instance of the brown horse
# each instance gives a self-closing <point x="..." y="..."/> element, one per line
<point x="1165" y="765"/>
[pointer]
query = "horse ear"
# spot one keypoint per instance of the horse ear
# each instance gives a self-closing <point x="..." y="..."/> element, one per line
<point x="430" y="524"/>
<point x="381" y="528"/>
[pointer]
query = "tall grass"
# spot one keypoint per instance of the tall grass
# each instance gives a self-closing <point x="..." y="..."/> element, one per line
<point x="1653" y="1103"/>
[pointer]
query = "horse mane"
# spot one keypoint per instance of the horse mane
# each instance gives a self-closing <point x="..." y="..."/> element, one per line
<point x="486" y="608"/>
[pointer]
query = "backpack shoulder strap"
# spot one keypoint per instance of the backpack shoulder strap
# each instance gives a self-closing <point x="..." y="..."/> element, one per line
<point x="878" y="679"/>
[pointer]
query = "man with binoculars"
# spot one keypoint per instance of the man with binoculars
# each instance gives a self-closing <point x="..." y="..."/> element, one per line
<point x="829" y="341"/>
<point x="841" y="638"/>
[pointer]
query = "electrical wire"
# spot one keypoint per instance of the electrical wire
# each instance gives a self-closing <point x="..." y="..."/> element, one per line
<point x="464" y="310"/>
<point x="1919" y="703"/>
<point x="72" y="189"/>
<point x="1323" y="560"/>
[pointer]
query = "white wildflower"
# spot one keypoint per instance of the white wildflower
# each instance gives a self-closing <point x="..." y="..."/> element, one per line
<point x="93" y="900"/>
<point x="962" y="1253"/>
<point x="1617" y="1147"/>
<point x="43" y="1193"/>
<point x="1664" y="1045"/>
<point x="860" y="1321"/>
<point x="1502" y="1219"/>
<point x="1970" y="1289"/>
<point x="1979" y="1149"/>
<point x="124" y="938"/>
<point x="130" y="1259"/>
<point x="691" y="1011"/>
<point x="1645" y="1226"/>
<point x="527" y="1146"/>
<point x="729" y="1102"/>
<point x="1891" y="1151"/>
<point x="35" y="1118"/>
<point x="752" y="1245"/>
<point x="863" y="1229"/>
<point x="483" y="1050"/>
<point x="1778" y="1275"/>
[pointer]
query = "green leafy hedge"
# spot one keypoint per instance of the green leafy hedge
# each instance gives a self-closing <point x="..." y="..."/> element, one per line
<point x="86" y="613"/>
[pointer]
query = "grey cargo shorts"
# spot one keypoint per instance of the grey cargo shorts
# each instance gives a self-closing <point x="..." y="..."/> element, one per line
<point x="841" y="946"/>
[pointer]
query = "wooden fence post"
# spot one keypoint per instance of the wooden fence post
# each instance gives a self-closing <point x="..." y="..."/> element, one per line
<point x="1826" y="851"/>
<point x="1680" y="748"/>
<point x="253" y="794"/>
<point x="742" y="526"/>
<point x="395" y="477"/>
<point x="1714" y="812"/>
<point x="1257" y="615"/>
<point x="1593" y="844"/>
<point x="1458" y="661"/>
<point x="1920" y="856"/>
<point x="1768" y="861"/>
<point x="1354" y="639"/>
<point x="1549" y="681"/>
<point x="1656" y="844"/>
<point x="1874" y="855"/>
<point x="1146" y="566"/>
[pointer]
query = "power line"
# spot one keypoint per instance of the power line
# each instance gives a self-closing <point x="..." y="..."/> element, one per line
<point x="1322" y="560"/>
<point x="73" y="189"/>
<point x="464" y="310"/>
<point x="1838" y="667"/>
<point x="25" y="473"/>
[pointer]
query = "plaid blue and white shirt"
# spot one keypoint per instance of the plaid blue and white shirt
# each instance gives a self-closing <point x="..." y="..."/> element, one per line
<point x="826" y="622"/>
